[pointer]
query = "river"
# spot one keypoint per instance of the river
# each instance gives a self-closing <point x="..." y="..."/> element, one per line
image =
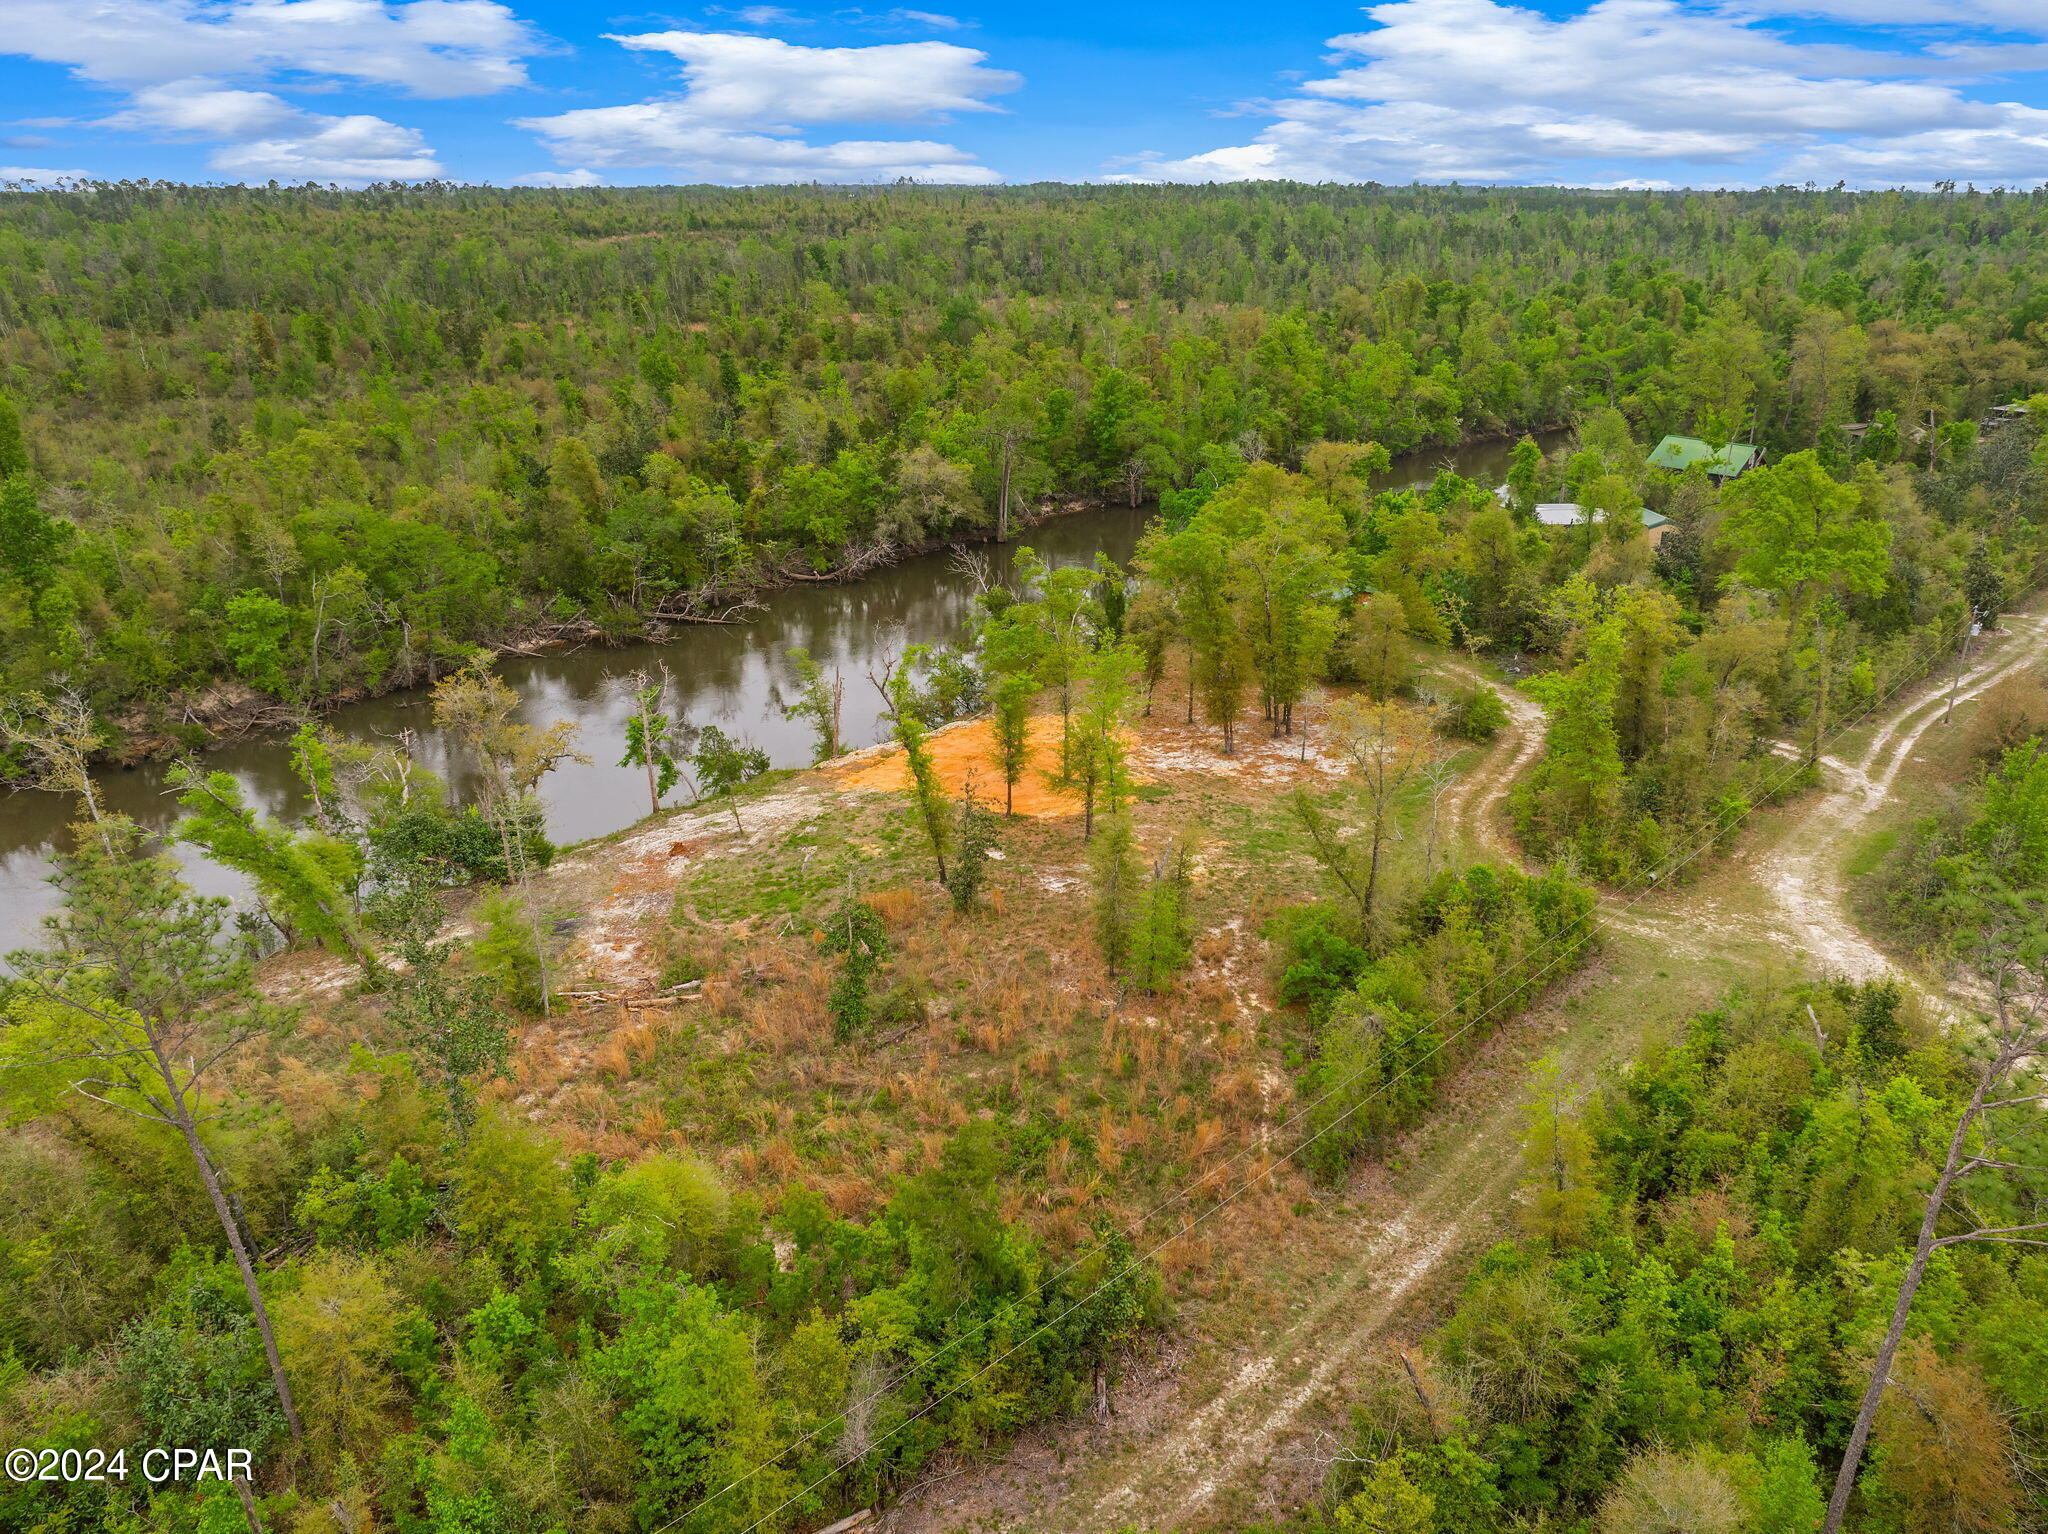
<point x="734" y="676"/>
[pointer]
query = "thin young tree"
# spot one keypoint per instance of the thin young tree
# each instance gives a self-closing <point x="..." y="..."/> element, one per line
<point x="1010" y="701"/>
<point x="1062" y="609"/>
<point x="1096" y="758"/>
<point x="1385" y="746"/>
<point x="1011" y="642"/>
<point x="974" y="840"/>
<point x="1438" y="774"/>
<point x="2007" y="943"/>
<point x="722" y="765"/>
<point x="651" y="738"/>
<point x="1116" y="864"/>
<point x="1162" y="934"/>
<point x="818" y="701"/>
<point x="455" y="1029"/>
<point x="511" y="757"/>
<point x="135" y="1002"/>
<point x="902" y="707"/>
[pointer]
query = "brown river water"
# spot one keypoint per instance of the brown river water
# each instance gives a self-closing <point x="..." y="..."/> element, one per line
<point x="734" y="676"/>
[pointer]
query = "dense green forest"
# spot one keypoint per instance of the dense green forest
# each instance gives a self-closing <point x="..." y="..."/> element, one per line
<point x="1714" y="1248"/>
<point x="806" y="1145"/>
<point x="318" y="441"/>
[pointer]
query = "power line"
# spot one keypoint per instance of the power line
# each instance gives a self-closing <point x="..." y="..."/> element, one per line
<point x="1635" y="894"/>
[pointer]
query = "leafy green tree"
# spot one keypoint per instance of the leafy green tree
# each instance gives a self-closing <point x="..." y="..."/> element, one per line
<point x="14" y="459"/>
<point x="1794" y="528"/>
<point x="818" y="701"/>
<point x="1060" y="607"/>
<point x="340" y="1329"/>
<point x="454" y="1028"/>
<point x="1560" y="1186"/>
<point x="306" y="878"/>
<point x="258" y="640"/>
<point x="695" y="1406"/>
<point x="1115" y="865"/>
<point x="512" y="1198"/>
<point x="30" y="538"/>
<point x="1525" y="476"/>
<point x="1376" y="648"/>
<point x="650" y="739"/>
<point x="1096" y="759"/>
<point x="1284" y="571"/>
<point x="1388" y="1503"/>
<point x="507" y="952"/>
<point x="1012" y="646"/>
<point x="1011" y="699"/>
<point x="667" y="1211"/>
<point x="1573" y="797"/>
<point x="723" y="766"/>
<point x="974" y="838"/>
<point x="1162" y="932"/>
<point x="1194" y="564"/>
<point x="574" y="476"/>
<point x="1497" y="569"/>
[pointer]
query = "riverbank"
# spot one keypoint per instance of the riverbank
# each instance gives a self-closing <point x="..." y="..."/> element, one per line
<point x="734" y="675"/>
<point x="228" y="711"/>
<point x="231" y="711"/>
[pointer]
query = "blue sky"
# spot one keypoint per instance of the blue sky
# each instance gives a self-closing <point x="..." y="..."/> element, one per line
<point x="1614" y="92"/>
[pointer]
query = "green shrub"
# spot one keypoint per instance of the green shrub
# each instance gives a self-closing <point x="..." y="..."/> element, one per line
<point x="508" y="952"/>
<point x="1474" y="713"/>
<point x="1319" y="955"/>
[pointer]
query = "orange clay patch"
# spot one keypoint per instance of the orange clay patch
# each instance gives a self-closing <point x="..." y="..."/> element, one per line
<point x="965" y="750"/>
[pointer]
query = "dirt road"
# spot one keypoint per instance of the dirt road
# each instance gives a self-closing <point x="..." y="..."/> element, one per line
<point x="1229" y="1437"/>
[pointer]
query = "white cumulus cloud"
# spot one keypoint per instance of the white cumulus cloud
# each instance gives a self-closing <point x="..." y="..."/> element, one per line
<point x="745" y="99"/>
<point x="736" y="78"/>
<point x="1628" y="90"/>
<point x="578" y="177"/>
<point x="427" y="47"/>
<point x="191" y="68"/>
<point x="269" y="138"/>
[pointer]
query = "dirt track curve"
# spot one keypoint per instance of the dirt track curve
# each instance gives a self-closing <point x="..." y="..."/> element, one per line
<point x="1227" y="1436"/>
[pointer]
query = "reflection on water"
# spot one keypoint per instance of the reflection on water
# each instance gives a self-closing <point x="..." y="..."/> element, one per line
<point x="734" y="676"/>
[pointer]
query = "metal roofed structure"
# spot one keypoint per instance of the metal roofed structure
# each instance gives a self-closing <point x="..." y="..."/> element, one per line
<point x="1679" y="453"/>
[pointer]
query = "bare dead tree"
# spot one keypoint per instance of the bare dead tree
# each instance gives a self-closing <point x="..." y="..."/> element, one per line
<point x="2009" y="955"/>
<point x="975" y="567"/>
<point x="57" y="731"/>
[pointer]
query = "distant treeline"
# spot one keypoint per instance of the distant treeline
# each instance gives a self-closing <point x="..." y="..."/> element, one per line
<point x="318" y="441"/>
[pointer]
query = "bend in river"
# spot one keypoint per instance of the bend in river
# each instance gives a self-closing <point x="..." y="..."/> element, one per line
<point x="734" y="676"/>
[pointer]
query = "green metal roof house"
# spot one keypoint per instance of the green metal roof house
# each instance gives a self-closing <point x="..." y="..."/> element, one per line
<point x="1679" y="453"/>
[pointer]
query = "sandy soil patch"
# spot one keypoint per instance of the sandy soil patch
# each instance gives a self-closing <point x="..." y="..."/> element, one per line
<point x="967" y="751"/>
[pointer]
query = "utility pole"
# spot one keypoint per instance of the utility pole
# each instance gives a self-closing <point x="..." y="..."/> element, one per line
<point x="1962" y="665"/>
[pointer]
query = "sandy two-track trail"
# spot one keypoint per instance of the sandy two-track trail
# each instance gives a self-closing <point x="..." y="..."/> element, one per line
<point x="1228" y="1432"/>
